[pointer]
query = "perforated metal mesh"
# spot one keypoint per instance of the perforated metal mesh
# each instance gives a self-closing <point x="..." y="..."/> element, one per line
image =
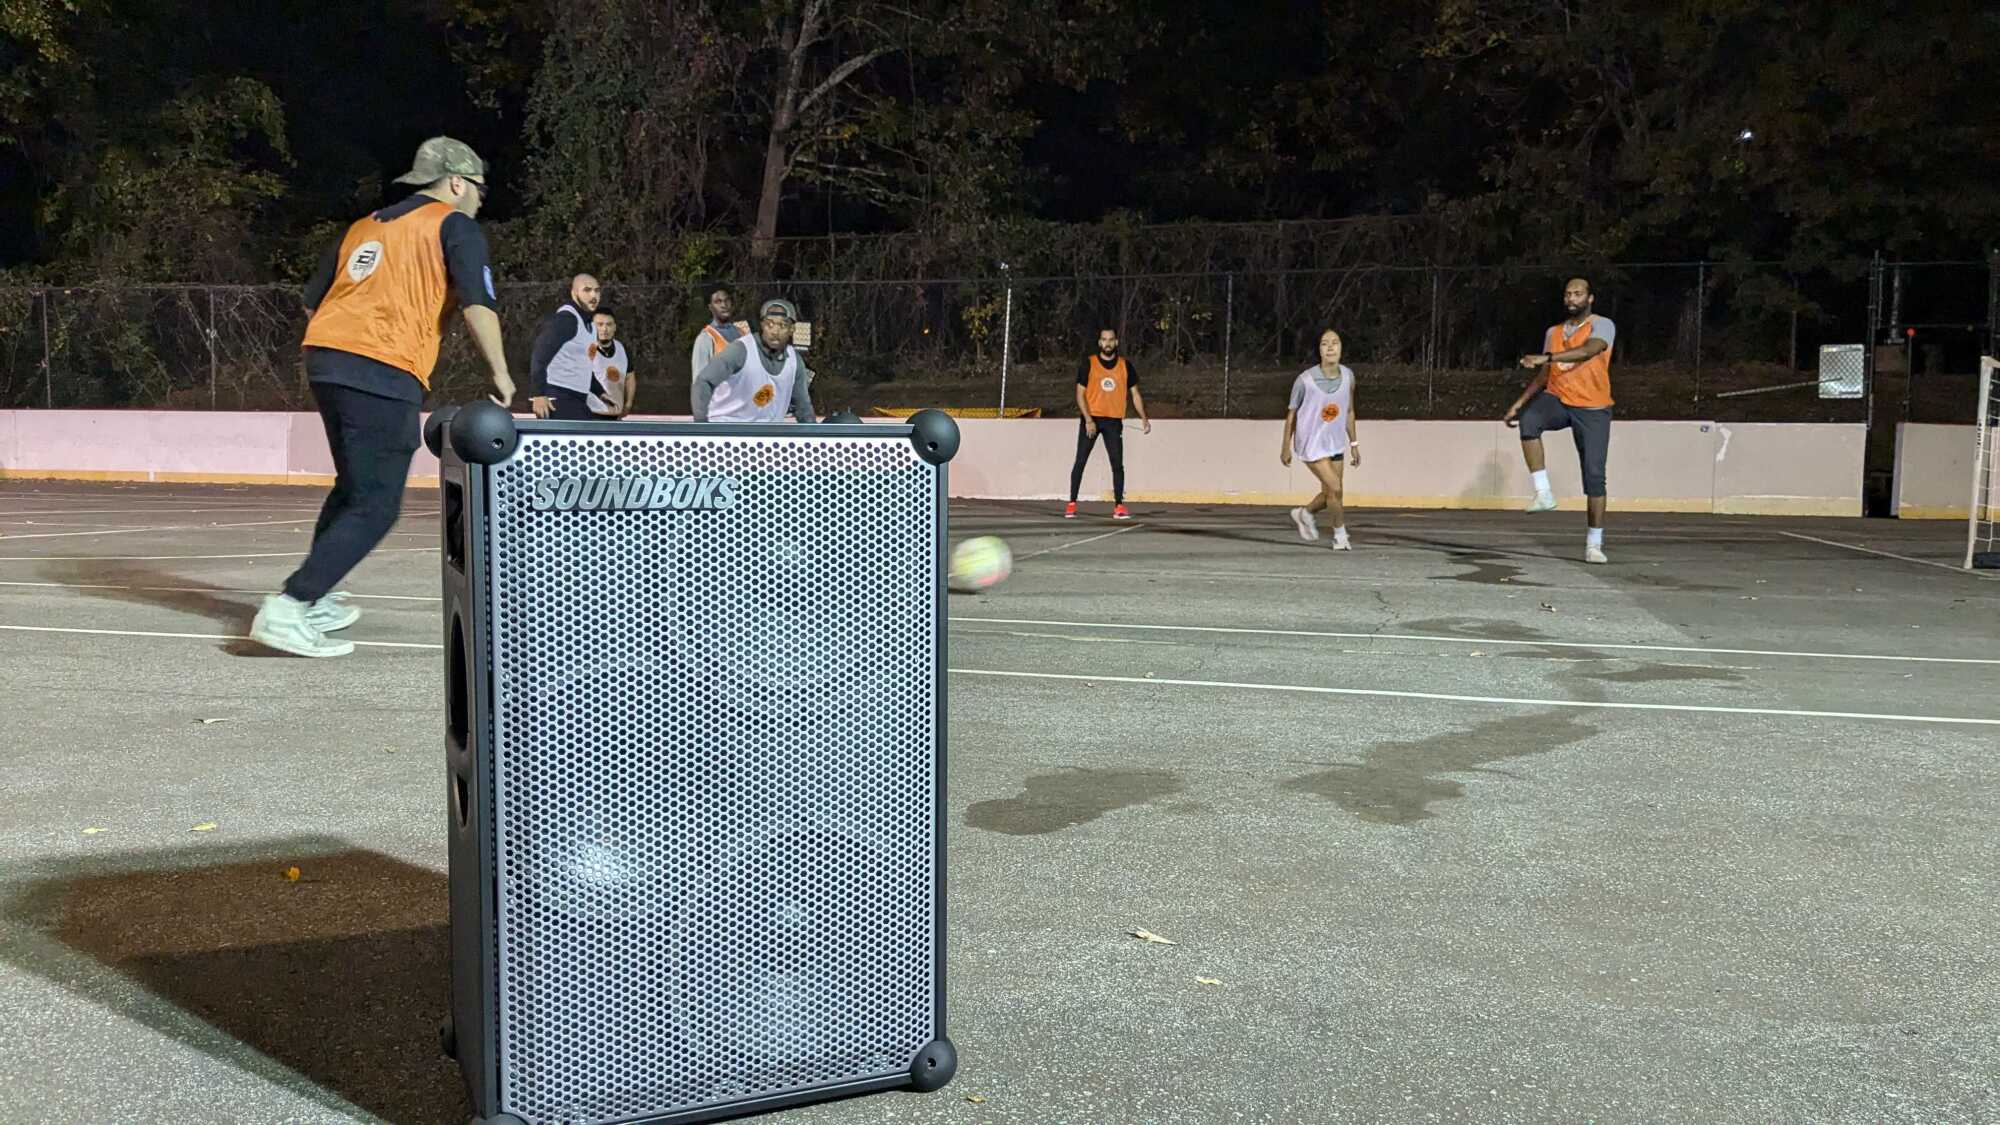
<point x="714" y="775"/>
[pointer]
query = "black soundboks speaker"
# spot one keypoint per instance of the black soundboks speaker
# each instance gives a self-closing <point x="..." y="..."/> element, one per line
<point x="696" y="744"/>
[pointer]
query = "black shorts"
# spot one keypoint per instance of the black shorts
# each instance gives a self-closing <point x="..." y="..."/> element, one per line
<point x="1590" y="426"/>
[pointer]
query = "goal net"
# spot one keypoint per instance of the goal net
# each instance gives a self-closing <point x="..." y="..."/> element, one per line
<point x="1982" y="551"/>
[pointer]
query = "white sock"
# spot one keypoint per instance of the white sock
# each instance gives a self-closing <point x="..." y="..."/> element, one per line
<point x="1541" y="481"/>
<point x="1340" y="532"/>
<point x="1596" y="538"/>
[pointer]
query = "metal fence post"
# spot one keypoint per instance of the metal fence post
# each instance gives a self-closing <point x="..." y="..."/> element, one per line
<point x="48" y="371"/>
<point x="1432" y="361"/>
<point x="1228" y="324"/>
<point x="1993" y="302"/>
<point x="1006" y="336"/>
<point x="211" y="348"/>
<point x="1700" y="308"/>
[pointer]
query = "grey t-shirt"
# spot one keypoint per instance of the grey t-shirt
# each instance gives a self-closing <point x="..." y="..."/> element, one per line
<point x="732" y="359"/>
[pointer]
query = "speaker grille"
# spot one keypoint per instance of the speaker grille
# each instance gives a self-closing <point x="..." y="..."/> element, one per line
<point x="714" y="772"/>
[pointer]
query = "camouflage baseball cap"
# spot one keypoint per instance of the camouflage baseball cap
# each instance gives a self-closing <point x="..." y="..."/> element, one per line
<point x="440" y="157"/>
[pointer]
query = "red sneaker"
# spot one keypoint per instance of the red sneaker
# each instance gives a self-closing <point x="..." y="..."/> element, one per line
<point x="1119" y="513"/>
<point x="1069" y="513"/>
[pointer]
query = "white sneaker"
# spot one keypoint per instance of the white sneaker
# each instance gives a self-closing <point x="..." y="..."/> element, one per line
<point x="1543" y="502"/>
<point x="1308" y="528"/>
<point x="331" y="613"/>
<point x="1340" y="541"/>
<point x="1594" y="555"/>
<point x="282" y="624"/>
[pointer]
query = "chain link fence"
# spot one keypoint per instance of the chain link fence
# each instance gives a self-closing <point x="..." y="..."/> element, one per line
<point x="1729" y="341"/>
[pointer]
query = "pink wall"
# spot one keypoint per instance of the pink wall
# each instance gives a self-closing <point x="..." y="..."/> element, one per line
<point x="1792" y="469"/>
<point x="1934" y="471"/>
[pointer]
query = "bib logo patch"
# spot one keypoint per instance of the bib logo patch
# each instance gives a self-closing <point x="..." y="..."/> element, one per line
<point x="1329" y="412"/>
<point x="764" y="395"/>
<point x="613" y="375"/>
<point x="364" y="261"/>
<point x="1107" y="384"/>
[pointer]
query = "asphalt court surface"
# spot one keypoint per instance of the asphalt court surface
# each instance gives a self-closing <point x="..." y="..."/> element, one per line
<point x="1460" y="828"/>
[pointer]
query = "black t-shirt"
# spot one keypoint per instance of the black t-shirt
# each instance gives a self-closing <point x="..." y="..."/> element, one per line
<point x="465" y="265"/>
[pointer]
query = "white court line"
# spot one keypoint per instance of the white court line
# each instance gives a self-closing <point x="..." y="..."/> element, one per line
<point x="1891" y="555"/>
<point x="1494" y="699"/>
<point x="169" y="558"/>
<point x="1307" y="689"/>
<point x="162" y="511"/>
<point x="1228" y="630"/>
<point x="1076" y="543"/>
<point x="191" y="636"/>
<point x="137" y="530"/>
<point x="207" y="590"/>
<point x="1474" y="640"/>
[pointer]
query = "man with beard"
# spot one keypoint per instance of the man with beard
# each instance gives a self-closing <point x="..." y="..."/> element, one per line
<point x="1104" y="382"/>
<point x="613" y="384"/>
<point x="560" y="357"/>
<point x="719" y="332"/>
<point x="759" y="377"/>
<point x="1575" y="363"/>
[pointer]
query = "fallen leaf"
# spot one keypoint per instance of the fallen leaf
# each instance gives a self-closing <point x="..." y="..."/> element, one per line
<point x="1206" y="980"/>
<point x="975" y="1099"/>
<point x="1476" y="652"/>
<point x="1549" y="606"/>
<point x="92" y="831"/>
<point x="211" y="722"/>
<point x="291" y="874"/>
<point x="208" y="826"/>
<point x="1150" y="936"/>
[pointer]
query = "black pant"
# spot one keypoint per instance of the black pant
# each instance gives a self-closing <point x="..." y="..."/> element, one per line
<point x="1590" y="426"/>
<point x="571" y="406"/>
<point x="1113" y="430"/>
<point x="372" y="439"/>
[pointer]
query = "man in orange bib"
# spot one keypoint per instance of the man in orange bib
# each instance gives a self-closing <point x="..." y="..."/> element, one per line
<point x="1103" y="383"/>
<point x="1575" y="364"/>
<point x="376" y="310"/>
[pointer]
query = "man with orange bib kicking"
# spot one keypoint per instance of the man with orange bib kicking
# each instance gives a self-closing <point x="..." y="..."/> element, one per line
<point x="376" y="312"/>
<point x="1103" y="383"/>
<point x="1575" y="363"/>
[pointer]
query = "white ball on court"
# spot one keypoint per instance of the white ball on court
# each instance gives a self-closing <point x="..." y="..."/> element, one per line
<point x="980" y="564"/>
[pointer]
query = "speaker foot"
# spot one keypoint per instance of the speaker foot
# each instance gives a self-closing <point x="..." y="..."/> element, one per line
<point x="500" y="1119"/>
<point x="934" y="1067"/>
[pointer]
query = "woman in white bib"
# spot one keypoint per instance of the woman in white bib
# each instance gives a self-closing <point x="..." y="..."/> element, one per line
<point x="1319" y="430"/>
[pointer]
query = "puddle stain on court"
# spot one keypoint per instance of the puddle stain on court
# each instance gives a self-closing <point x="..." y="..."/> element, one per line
<point x="1476" y="628"/>
<point x="1051" y="802"/>
<point x="1397" y="783"/>
<point x="1646" y="673"/>
<point x="1486" y="571"/>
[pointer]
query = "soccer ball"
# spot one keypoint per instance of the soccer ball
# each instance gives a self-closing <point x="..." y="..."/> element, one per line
<point x="980" y="564"/>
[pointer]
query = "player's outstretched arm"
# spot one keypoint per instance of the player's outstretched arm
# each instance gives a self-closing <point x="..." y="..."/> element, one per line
<point x="1534" y="388"/>
<point x="484" y="325"/>
<point x="802" y="403"/>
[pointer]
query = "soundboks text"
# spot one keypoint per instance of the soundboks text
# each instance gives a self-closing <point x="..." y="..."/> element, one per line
<point x="633" y="494"/>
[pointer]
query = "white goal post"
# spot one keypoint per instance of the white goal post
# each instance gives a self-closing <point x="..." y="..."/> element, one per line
<point x="1981" y="549"/>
